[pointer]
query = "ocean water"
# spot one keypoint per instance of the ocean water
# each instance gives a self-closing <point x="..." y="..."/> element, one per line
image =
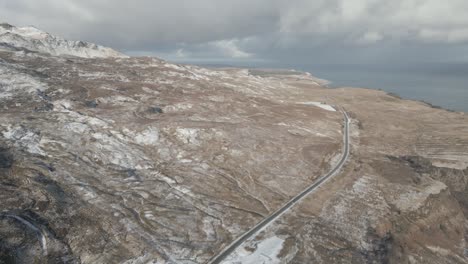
<point x="444" y="85"/>
<point x="440" y="84"/>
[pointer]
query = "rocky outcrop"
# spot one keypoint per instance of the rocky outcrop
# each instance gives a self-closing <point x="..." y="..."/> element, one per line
<point x="139" y="159"/>
<point x="133" y="160"/>
<point x="404" y="212"/>
<point x="32" y="39"/>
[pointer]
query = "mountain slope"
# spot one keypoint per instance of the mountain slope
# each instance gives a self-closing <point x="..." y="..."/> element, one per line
<point x="33" y="39"/>
<point x="137" y="160"/>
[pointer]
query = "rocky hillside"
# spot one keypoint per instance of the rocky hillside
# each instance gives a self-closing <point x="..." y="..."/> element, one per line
<point x="33" y="39"/>
<point x="137" y="160"/>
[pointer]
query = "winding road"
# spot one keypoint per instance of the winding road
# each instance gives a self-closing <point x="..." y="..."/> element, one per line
<point x="270" y="219"/>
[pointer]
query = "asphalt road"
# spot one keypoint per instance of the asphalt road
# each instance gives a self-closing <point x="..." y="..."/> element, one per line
<point x="267" y="221"/>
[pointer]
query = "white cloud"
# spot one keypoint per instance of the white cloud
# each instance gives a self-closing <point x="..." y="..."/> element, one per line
<point x="449" y="36"/>
<point x="230" y="49"/>
<point x="445" y="20"/>
<point x="370" y="38"/>
<point x="180" y="53"/>
<point x="245" y="29"/>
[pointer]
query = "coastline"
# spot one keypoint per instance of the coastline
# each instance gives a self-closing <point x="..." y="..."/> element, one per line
<point x="329" y="84"/>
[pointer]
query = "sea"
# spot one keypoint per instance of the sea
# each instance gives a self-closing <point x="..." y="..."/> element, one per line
<point x="440" y="84"/>
<point x="443" y="85"/>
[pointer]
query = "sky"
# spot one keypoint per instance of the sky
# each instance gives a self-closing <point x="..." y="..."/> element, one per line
<point x="377" y="32"/>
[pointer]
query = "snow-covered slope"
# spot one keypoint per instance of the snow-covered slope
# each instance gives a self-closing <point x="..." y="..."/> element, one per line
<point x="31" y="38"/>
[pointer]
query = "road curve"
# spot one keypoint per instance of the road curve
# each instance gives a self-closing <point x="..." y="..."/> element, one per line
<point x="270" y="219"/>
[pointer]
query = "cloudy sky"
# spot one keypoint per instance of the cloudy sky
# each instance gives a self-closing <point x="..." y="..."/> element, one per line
<point x="290" y="31"/>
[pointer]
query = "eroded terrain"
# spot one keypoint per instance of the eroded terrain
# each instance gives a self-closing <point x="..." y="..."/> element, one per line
<point x="137" y="160"/>
<point x="400" y="199"/>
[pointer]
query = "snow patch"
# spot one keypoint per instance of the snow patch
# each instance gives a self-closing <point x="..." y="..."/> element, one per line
<point x="439" y="250"/>
<point x="345" y="214"/>
<point x="25" y="139"/>
<point x="414" y="199"/>
<point x="177" y="107"/>
<point x="173" y="66"/>
<point x="63" y="105"/>
<point x="149" y="136"/>
<point x="116" y="100"/>
<point x="188" y="135"/>
<point x="321" y="105"/>
<point x="76" y="127"/>
<point x="149" y="90"/>
<point x="34" y="39"/>
<point x="14" y="83"/>
<point x="145" y="259"/>
<point x="110" y="150"/>
<point x="266" y="252"/>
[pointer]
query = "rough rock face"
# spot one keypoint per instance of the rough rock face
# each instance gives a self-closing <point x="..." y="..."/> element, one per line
<point x="399" y="216"/>
<point x="397" y="200"/>
<point x="33" y="39"/>
<point x="137" y="160"/>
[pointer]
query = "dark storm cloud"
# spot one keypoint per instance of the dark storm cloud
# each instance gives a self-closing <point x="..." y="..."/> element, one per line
<point x="255" y="29"/>
<point x="145" y="23"/>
